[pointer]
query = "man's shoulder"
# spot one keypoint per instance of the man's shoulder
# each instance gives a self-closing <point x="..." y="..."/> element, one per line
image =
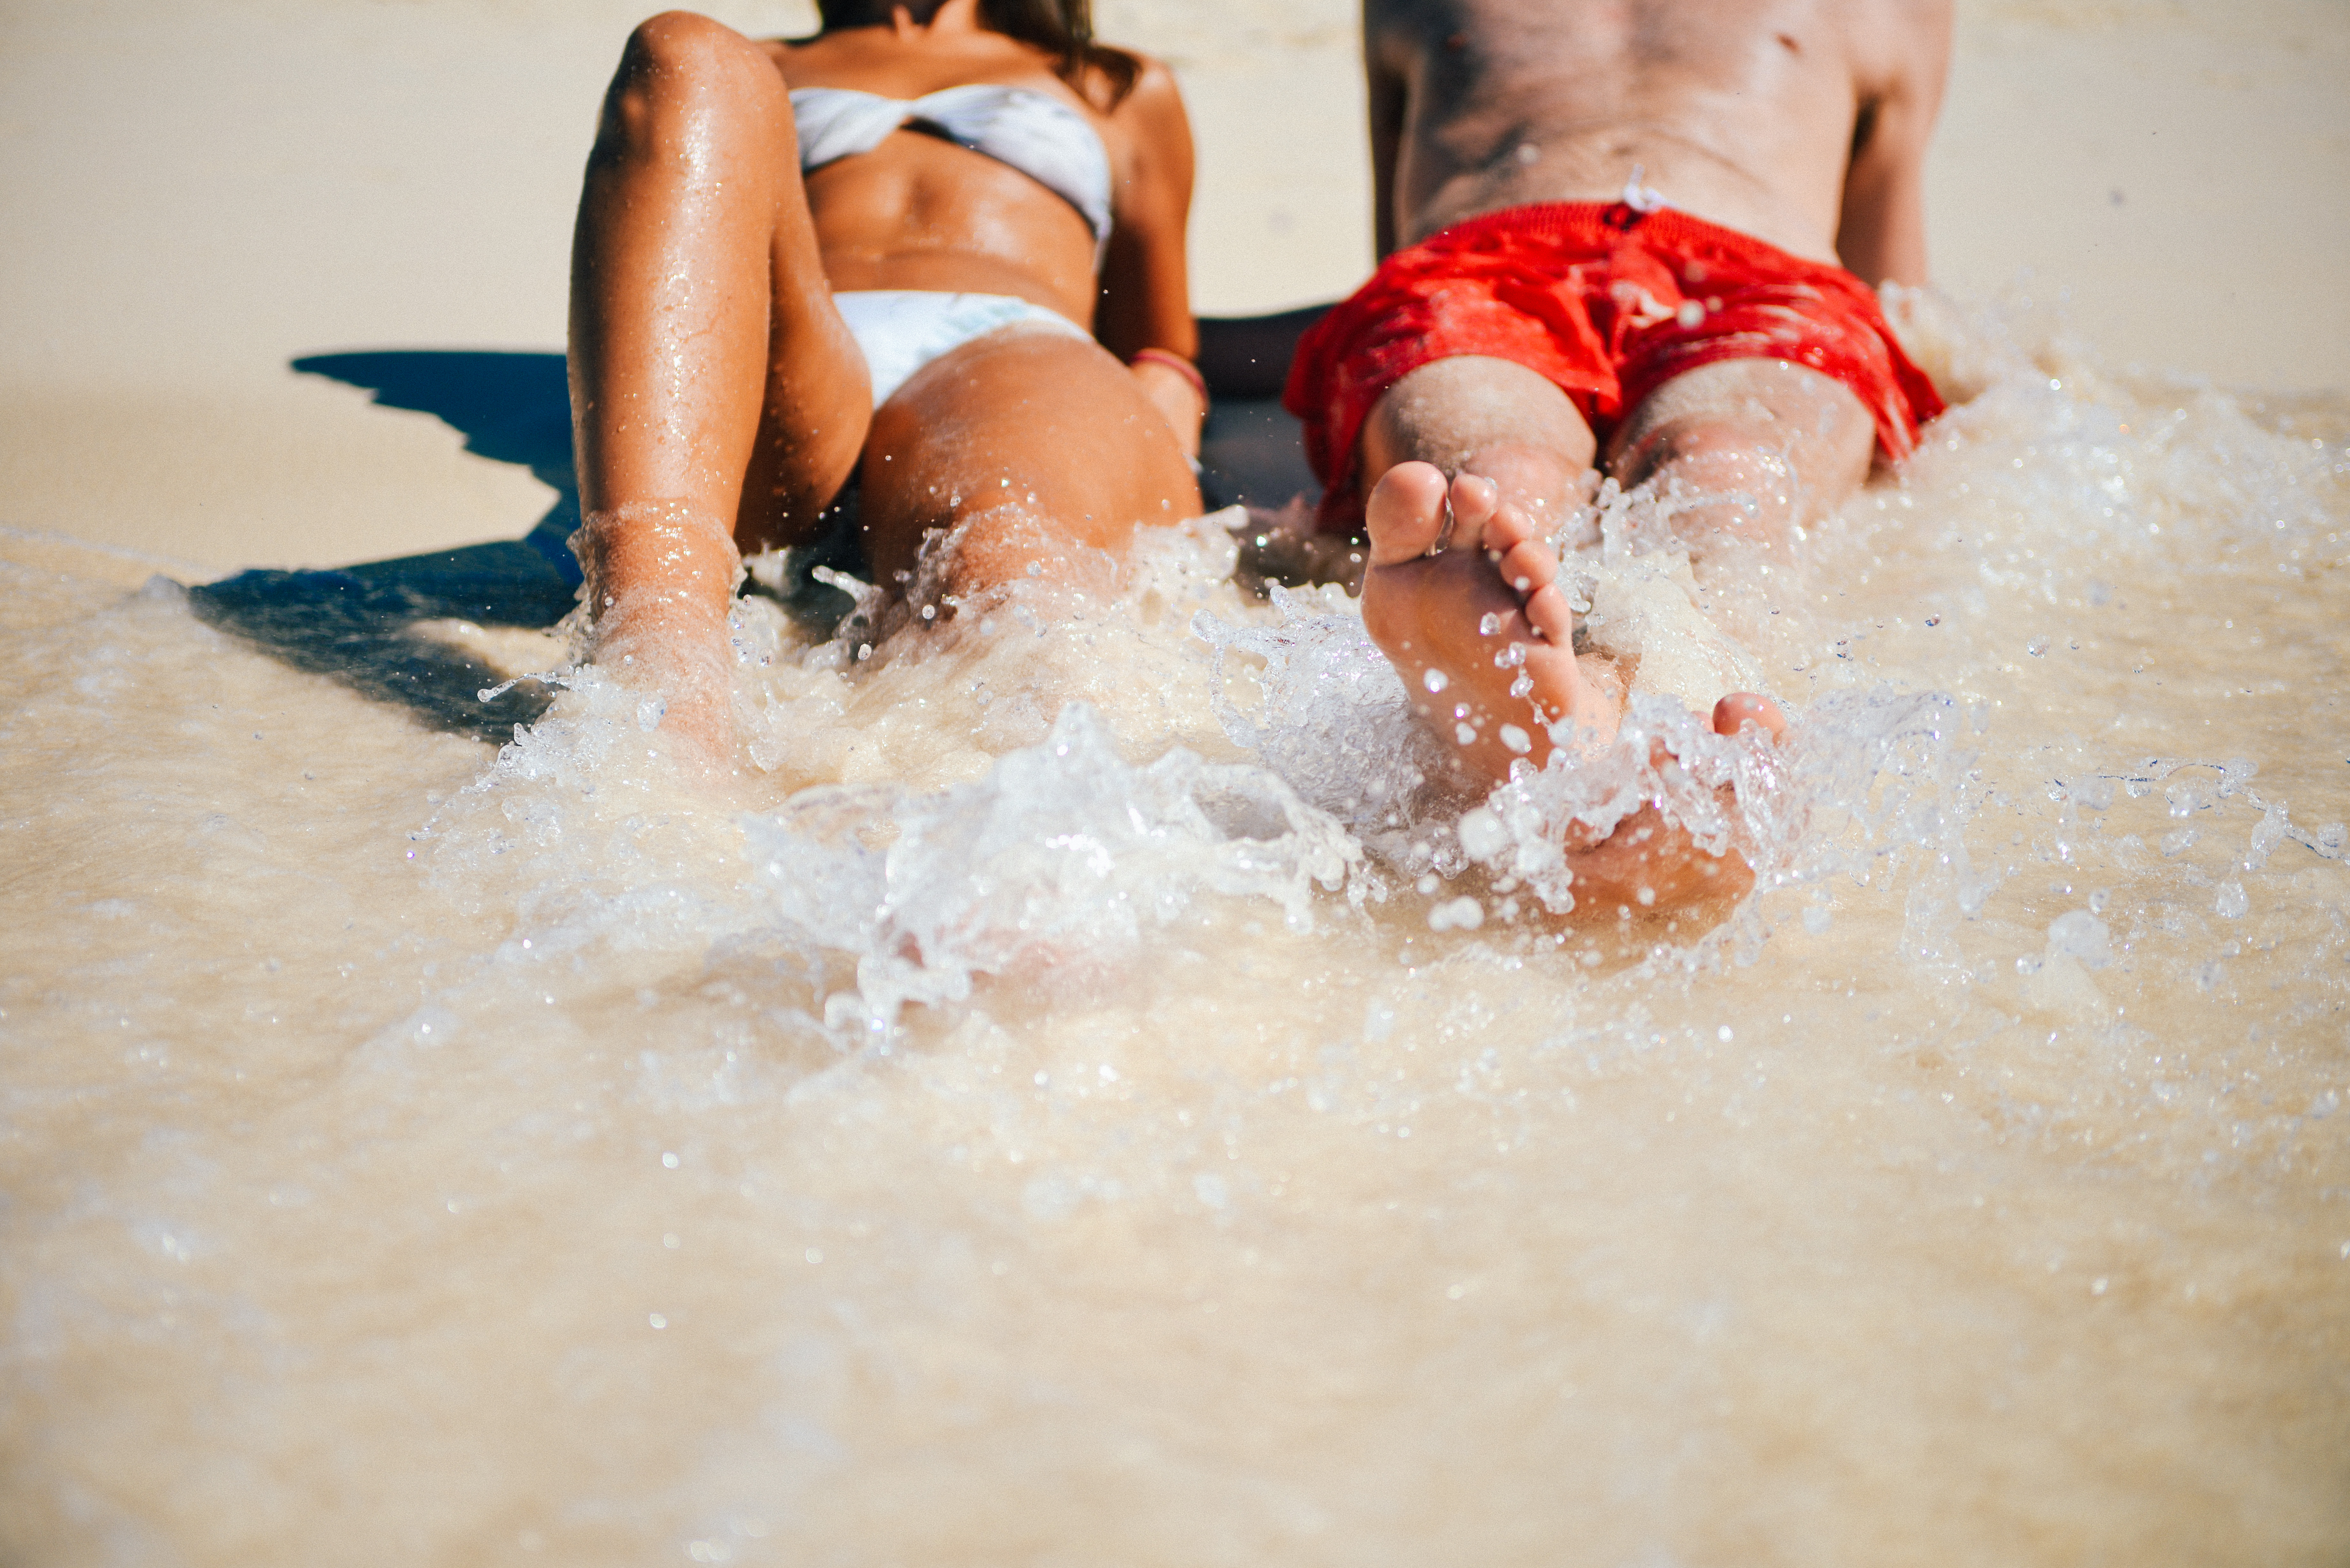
<point x="1890" y="40"/>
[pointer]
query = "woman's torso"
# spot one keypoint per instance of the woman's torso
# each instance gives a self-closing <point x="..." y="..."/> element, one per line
<point x="920" y="211"/>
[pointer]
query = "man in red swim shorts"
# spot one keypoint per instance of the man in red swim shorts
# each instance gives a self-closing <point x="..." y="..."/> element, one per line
<point x="1637" y="235"/>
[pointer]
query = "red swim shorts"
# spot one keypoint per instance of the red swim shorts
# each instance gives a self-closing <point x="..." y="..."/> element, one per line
<point x="1608" y="303"/>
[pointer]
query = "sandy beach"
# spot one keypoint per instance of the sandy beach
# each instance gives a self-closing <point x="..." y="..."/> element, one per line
<point x="1081" y="1100"/>
<point x="201" y="194"/>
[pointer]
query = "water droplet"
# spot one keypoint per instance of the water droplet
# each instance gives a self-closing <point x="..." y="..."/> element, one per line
<point x="1481" y="833"/>
<point x="1464" y="913"/>
<point x="2083" y="938"/>
<point x="2233" y="901"/>
<point x="1490" y="625"/>
<point x="1516" y="740"/>
<point x="1435" y="679"/>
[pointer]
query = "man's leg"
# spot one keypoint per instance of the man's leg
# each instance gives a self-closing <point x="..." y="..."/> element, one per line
<point x="1769" y="444"/>
<point x="1759" y="445"/>
<point x="1763" y="446"/>
<point x="1510" y="455"/>
<point x="1774" y="443"/>
<point x="1493" y="417"/>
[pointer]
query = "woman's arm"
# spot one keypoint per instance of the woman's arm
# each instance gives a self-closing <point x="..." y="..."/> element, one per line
<point x="1146" y="291"/>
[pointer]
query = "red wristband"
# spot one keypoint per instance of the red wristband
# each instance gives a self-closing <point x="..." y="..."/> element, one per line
<point x="1177" y="363"/>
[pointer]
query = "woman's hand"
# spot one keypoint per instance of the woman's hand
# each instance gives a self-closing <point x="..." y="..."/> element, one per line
<point x="1181" y="398"/>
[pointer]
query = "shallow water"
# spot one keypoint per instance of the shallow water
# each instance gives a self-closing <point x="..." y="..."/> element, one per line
<point x="1062" y="1111"/>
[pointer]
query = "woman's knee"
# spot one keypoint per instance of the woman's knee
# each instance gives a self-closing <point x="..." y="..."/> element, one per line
<point x="686" y="44"/>
<point x="680" y="66"/>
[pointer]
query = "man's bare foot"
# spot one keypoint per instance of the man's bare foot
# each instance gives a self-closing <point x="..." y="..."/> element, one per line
<point x="1481" y="631"/>
<point x="1651" y="863"/>
<point x="1483" y="637"/>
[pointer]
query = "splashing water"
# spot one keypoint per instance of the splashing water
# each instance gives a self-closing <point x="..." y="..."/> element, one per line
<point x="1061" y="854"/>
<point x="1093" y="1075"/>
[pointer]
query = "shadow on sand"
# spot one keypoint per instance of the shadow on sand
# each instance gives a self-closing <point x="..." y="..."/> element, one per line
<point x="357" y="625"/>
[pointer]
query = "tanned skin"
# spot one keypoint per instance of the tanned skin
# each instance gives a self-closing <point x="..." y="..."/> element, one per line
<point x="719" y="402"/>
<point x="1802" y="123"/>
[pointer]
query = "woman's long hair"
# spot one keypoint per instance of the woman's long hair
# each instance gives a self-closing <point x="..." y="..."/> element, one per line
<point x="1062" y="28"/>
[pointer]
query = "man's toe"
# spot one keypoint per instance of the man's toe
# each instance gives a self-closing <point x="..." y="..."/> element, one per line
<point x="1405" y="511"/>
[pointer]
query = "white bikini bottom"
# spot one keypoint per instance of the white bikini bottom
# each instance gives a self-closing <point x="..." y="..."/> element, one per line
<point x="903" y="329"/>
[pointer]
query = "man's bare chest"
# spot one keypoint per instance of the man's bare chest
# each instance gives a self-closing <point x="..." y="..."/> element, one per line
<point x="1465" y="49"/>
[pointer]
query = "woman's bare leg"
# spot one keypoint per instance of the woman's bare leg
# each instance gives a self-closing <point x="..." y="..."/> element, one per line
<point x="1041" y="449"/>
<point x="716" y="392"/>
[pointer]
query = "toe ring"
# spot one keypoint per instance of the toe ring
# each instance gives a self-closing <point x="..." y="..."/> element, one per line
<point x="1444" y="535"/>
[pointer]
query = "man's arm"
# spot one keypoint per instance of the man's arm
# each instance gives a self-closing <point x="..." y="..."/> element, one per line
<point x="1387" y="98"/>
<point x="1881" y="232"/>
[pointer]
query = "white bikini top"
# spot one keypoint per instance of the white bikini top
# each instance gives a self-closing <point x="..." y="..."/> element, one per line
<point x="1033" y="132"/>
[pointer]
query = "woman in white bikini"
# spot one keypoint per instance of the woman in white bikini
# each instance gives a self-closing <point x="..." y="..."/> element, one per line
<point x="934" y="253"/>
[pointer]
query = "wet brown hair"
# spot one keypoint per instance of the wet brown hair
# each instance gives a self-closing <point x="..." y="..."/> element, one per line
<point x="1062" y="28"/>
